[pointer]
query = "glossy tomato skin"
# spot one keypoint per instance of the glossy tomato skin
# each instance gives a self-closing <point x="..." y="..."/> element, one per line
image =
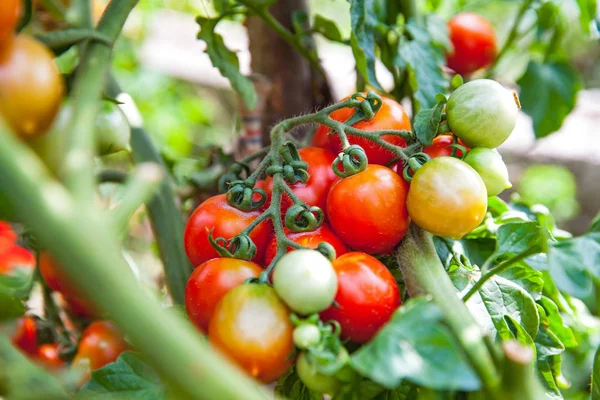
<point x="32" y="87"/>
<point x="447" y="197"/>
<point x="320" y="138"/>
<point x="474" y="41"/>
<point x="101" y="343"/>
<point x="367" y="296"/>
<point x="48" y="356"/>
<point x="321" y="176"/>
<point x="212" y="280"/>
<point x="227" y="222"/>
<point x="441" y="147"/>
<point x="58" y="281"/>
<point x="309" y="240"/>
<point x="9" y="17"/>
<point x="25" y="337"/>
<point x="391" y="115"/>
<point x="252" y="327"/>
<point x="368" y="210"/>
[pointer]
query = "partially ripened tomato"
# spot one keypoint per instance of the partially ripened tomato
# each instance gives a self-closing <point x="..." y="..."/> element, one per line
<point x="391" y="115"/>
<point x="252" y="327"/>
<point x="32" y="87"/>
<point x="441" y="146"/>
<point x="314" y="191"/>
<point x="25" y="337"/>
<point x="474" y="41"/>
<point x="305" y="281"/>
<point x="227" y="221"/>
<point x="482" y="113"/>
<point x="48" y="356"/>
<point x="368" y="210"/>
<point x="58" y="281"/>
<point x="367" y="296"/>
<point x="211" y="281"/>
<point x="308" y="239"/>
<point x="101" y="343"/>
<point x="447" y="197"/>
<point x="9" y="16"/>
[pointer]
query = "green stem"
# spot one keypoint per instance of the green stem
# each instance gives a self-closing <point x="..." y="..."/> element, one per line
<point x="424" y="274"/>
<point x="86" y="95"/>
<point x="81" y="13"/>
<point x="56" y="9"/>
<point x="513" y="34"/>
<point x="503" y="266"/>
<point x="519" y="380"/>
<point x="84" y="243"/>
<point x="408" y="8"/>
<point x="285" y="34"/>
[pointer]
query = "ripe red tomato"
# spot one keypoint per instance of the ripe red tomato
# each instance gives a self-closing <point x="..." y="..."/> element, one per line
<point x="9" y="16"/>
<point x="252" y="327"/>
<point x="474" y="41"/>
<point x="14" y="257"/>
<point x="321" y="176"/>
<point x="25" y="336"/>
<point x="391" y="115"/>
<point x="440" y="147"/>
<point x="210" y="282"/>
<point x="57" y="281"/>
<point x="320" y="138"/>
<point x="47" y="355"/>
<point x="227" y="222"/>
<point x="367" y="296"/>
<point x="101" y="343"/>
<point x="368" y="210"/>
<point x="308" y="239"/>
<point x="32" y="87"/>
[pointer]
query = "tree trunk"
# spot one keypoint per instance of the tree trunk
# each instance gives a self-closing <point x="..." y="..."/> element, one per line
<point x="295" y="87"/>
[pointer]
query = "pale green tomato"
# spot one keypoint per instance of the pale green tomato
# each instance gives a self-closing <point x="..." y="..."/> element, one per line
<point x="112" y="130"/>
<point x="305" y="280"/>
<point x="482" y="113"/>
<point x="315" y="380"/>
<point x="306" y="335"/>
<point x="488" y="163"/>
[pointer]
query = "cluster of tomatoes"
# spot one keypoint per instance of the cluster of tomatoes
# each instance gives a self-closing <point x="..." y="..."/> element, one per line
<point x="100" y="342"/>
<point x="366" y="215"/>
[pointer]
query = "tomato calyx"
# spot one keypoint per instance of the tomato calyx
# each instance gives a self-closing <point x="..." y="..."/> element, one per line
<point x="302" y="218"/>
<point x="350" y="162"/>
<point x="242" y="194"/>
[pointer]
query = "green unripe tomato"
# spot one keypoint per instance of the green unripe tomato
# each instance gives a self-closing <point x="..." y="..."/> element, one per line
<point x="488" y="163"/>
<point x="315" y="380"/>
<point x="306" y="335"/>
<point x="482" y="113"/>
<point x="112" y="130"/>
<point x="306" y="281"/>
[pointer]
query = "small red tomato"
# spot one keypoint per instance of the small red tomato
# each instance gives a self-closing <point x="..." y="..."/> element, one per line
<point x="441" y="147"/>
<point x="47" y="355"/>
<point x="210" y="282"/>
<point x="25" y="337"/>
<point x="368" y="210"/>
<point x="15" y="257"/>
<point x="310" y="240"/>
<point x="6" y="232"/>
<point x="320" y="138"/>
<point x="474" y="41"/>
<point x="101" y="343"/>
<point x="321" y="176"/>
<point x="251" y="326"/>
<point x="391" y="115"/>
<point x="367" y="296"/>
<point x="9" y="16"/>
<point x="227" y="221"/>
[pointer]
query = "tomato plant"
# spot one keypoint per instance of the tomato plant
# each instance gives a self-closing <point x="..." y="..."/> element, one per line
<point x="391" y="115"/>
<point x="309" y="240"/>
<point x="9" y="16"/>
<point x="32" y="87"/>
<point x="100" y="344"/>
<point x="442" y="146"/>
<point x="251" y="325"/>
<point x="474" y="43"/>
<point x="368" y="210"/>
<point x="447" y="197"/>
<point x="305" y="281"/>
<point x="216" y="216"/>
<point x="212" y="280"/>
<point x="366" y="298"/>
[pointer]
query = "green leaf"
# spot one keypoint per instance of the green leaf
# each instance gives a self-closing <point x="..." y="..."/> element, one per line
<point x="438" y="32"/>
<point x="422" y="60"/>
<point x="327" y="28"/>
<point x="572" y="262"/>
<point x="14" y="290"/>
<point x="526" y="277"/>
<point x="415" y="346"/>
<point x="363" y="40"/>
<point x="587" y="13"/>
<point x="546" y="342"/>
<point x="427" y="123"/>
<point x="596" y="377"/>
<point x="519" y="333"/>
<point x="362" y="390"/>
<point x="127" y="378"/>
<point x="518" y="237"/>
<point x="556" y="324"/>
<point x="20" y="379"/>
<point x="291" y="387"/>
<point x="548" y="94"/>
<point x="225" y="60"/>
<point x="547" y="377"/>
